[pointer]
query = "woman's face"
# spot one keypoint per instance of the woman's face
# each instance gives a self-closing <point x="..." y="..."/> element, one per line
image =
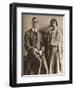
<point x="54" y="23"/>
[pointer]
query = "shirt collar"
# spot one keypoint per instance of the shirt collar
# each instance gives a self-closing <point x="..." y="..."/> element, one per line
<point x="34" y="30"/>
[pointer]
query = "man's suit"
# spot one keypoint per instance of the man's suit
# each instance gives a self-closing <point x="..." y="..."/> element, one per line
<point x="32" y="40"/>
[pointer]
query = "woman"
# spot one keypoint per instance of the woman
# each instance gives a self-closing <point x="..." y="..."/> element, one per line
<point x="53" y="47"/>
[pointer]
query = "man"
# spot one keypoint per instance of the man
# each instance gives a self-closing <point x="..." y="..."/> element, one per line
<point x="33" y="44"/>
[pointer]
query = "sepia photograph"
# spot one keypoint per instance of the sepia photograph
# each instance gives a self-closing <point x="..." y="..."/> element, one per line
<point x="42" y="44"/>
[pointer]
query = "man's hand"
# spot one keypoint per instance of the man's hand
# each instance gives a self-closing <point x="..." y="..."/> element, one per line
<point x="40" y="52"/>
<point x="35" y="50"/>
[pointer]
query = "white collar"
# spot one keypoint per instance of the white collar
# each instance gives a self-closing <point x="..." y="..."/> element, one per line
<point x="34" y="30"/>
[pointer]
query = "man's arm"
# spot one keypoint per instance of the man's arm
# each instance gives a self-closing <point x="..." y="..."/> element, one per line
<point x="27" y="42"/>
<point x="42" y="44"/>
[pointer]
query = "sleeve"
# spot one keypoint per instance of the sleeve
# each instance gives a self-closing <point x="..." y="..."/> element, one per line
<point x="58" y="38"/>
<point x="58" y="41"/>
<point x="42" y="43"/>
<point x="27" y="41"/>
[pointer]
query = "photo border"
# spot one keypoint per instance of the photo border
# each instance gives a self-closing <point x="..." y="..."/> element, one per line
<point x="38" y="14"/>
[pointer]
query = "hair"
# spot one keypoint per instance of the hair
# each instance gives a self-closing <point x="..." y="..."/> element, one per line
<point x="34" y="18"/>
<point x="52" y="22"/>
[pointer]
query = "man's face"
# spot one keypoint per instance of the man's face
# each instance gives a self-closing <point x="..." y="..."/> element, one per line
<point x="35" y="24"/>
